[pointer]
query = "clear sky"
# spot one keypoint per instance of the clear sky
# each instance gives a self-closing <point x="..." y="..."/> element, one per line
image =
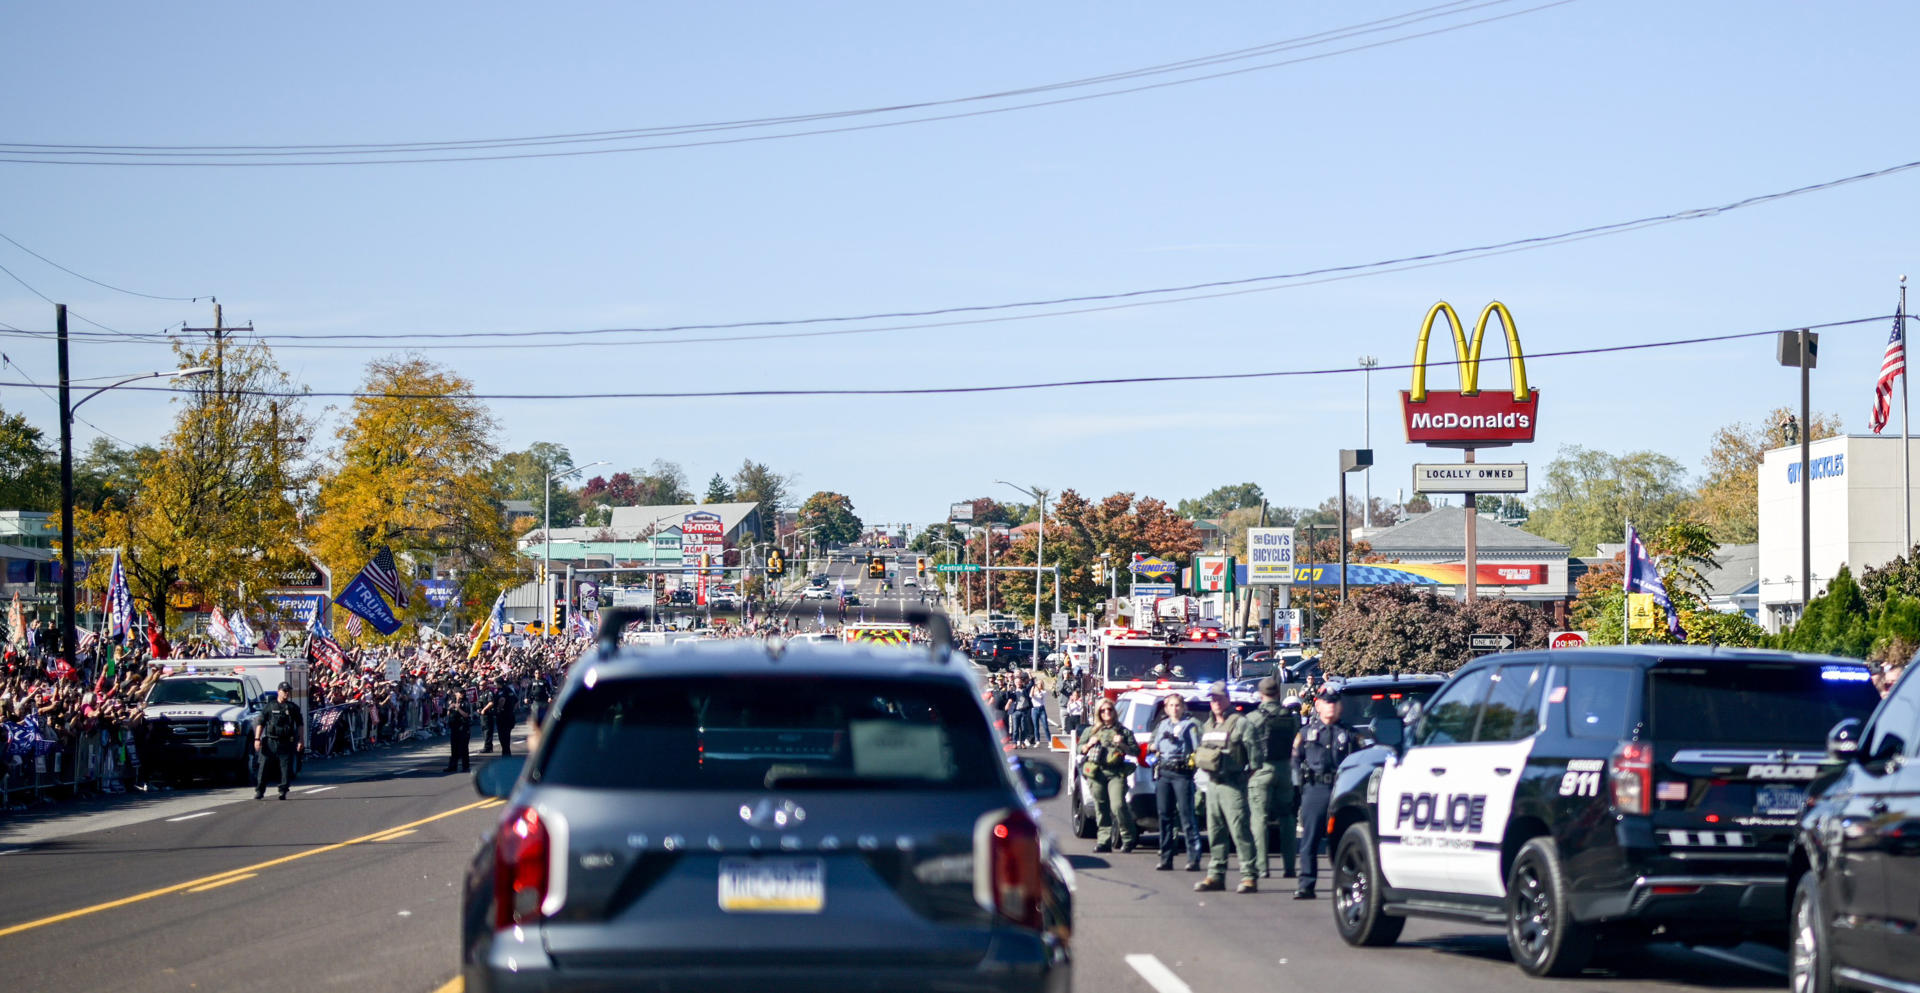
<point x="1587" y="113"/>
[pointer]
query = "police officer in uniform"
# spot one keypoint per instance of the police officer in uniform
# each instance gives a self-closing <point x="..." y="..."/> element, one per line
<point x="500" y="709"/>
<point x="1106" y="755"/>
<point x="460" y="729"/>
<point x="1223" y="757"/>
<point x="1271" y="729"/>
<point x="276" y="738"/>
<point x="1317" y="753"/>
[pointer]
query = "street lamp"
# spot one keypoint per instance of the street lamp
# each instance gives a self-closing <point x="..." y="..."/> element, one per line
<point x="1351" y="461"/>
<point x="546" y="556"/>
<point x="68" y="639"/>
<point x="1039" y="552"/>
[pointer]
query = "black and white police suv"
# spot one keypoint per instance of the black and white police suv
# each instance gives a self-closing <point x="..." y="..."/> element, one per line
<point x="1630" y="794"/>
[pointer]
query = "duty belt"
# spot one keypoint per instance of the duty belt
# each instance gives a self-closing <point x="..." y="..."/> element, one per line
<point x="1318" y="779"/>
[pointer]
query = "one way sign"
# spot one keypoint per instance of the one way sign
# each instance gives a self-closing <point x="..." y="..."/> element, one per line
<point x="1490" y="642"/>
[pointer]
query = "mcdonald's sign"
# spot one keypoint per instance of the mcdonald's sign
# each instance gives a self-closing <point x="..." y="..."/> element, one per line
<point x="1468" y="418"/>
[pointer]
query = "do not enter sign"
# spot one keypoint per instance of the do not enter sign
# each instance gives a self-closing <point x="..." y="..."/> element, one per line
<point x="1567" y="639"/>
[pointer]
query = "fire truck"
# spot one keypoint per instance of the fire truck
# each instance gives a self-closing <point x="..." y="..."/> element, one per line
<point x="1170" y="655"/>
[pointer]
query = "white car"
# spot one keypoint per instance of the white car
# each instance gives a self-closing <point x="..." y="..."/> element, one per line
<point x="817" y="593"/>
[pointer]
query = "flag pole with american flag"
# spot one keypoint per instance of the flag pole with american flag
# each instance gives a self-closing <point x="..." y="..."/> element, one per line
<point x="1893" y="366"/>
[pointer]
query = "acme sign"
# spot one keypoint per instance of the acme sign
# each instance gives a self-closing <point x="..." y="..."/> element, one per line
<point x="1468" y="418"/>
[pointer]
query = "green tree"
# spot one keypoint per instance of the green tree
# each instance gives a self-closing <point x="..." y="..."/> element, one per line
<point x="1221" y="500"/>
<point x="833" y="514"/>
<point x="107" y="471"/>
<point x="523" y="476"/>
<point x="1729" y="497"/>
<point x="1837" y="622"/>
<point x="414" y="472"/>
<point x="755" y="483"/>
<point x="717" y="491"/>
<point x="1589" y="496"/>
<point x="29" y="466"/>
<point x="1897" y="579"/>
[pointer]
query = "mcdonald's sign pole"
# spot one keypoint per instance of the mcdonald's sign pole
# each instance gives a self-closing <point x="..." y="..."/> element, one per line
<point x="1466" y="418"/>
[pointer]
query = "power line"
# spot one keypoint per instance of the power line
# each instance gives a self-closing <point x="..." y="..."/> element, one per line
<point x="184" y="156"/>
<point x="1107" y="301"/>
<point x="1002" y="387"/>
<point x="90" y="279"/>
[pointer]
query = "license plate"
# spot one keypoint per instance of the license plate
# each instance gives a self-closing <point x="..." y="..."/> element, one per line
<point x="773" y="886"/>
<point x="1778" y="800"/>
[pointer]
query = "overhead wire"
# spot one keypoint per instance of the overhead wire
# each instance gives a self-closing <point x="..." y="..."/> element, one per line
<point x="90" y="279"/>
<point x="276" y="159"/>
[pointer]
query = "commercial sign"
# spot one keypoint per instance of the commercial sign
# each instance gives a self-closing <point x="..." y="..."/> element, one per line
<point x="1211" y="574"/>
<point x="961" y="512"/>
<point x="702" y="532"/>
<point x="1421" y="574"/>
<point x="1825" y="467"/>
<point x="1473" y="477"/>
<point x="1152" y="590"/>
<point x="1269" y="556"/>
<point x="1147" y="565"/>
<point x="1286" y="625"/>
<point x="1468" y="418"/>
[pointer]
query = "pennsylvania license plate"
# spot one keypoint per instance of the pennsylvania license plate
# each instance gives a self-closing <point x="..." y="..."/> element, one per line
<point x="773" y="886"/>
<point x="1778" y="801"/>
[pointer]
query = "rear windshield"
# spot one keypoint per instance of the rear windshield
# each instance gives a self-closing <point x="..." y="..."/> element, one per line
<point x="1151" y="662"/>
<point x="1755" y="703"/>
<point x="225" y="691"/>
<point x="712" y="733"/>
<point x="1361" y="705"/>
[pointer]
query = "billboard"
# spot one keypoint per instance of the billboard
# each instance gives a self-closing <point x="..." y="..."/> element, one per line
<point x="961" y="512"/>
<point x="1468" y="418"/>
<point x="1269" y="556"/>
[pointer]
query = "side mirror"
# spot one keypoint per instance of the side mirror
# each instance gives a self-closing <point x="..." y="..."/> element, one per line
<point x="496" y="778"/>
<point x="1843" y="742"/>
<point x="1389" y="731"/>
<point x="1041" y="778"/>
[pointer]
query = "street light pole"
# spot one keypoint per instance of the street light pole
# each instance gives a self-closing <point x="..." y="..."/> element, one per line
<point x="1039" y="556"/>
<point x="546" y="556"/>
<point x="1367" y="362"/>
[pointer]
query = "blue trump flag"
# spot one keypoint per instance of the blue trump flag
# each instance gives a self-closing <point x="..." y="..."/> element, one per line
<point x="1643" y="577"/>
<point x="363" y="597"/>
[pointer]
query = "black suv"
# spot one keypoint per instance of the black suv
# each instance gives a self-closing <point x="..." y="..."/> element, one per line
<point x="1376" y="704"/>
<point x="1856" y="858"/>
<point x="1635" y="793"/>
<point x="740" y="815"/>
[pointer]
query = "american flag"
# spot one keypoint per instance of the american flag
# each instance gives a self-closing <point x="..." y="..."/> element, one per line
<point x="1670" y="791"/>
<point x="1892" y="365"/>
<point x="218" y="627"/>
<point x="353" y="625"/>
<point x="382" y="573"/>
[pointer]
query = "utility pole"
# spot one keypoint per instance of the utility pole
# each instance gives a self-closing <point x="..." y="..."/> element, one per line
<point x="1367" y="362"/>
<point x="67" y="637"/>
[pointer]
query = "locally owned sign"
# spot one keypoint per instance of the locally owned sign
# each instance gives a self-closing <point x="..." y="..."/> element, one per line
<point x="1269" y="556"/>
<point x="1473" y="477"/>
<point x="1468" y="418"/>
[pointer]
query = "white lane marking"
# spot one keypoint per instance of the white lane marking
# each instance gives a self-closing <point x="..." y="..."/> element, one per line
<point x="319" y="789"/>
<point x="15" y="851"/>
<point x="1157" y="975"/>
<point x="176" y="820"/>
<point x="1727" y="956"/>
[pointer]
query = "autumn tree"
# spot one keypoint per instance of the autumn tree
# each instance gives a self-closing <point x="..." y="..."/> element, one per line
<point x="211" y="510"/>
<point x="832" y="517"/>
<point x="1078" y="531"/>
<point x="414" y="472"/>
<point x="1589" y="496"/>
<point x="1682" y="551"/>
<point x="29" y="466"/>
<point x="1729" y="497"/>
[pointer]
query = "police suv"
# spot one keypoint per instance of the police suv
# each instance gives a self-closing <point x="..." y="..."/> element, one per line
<point x="1631" y="794"/>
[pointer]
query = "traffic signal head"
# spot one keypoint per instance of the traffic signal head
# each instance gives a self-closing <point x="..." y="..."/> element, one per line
<point x="876" y="568"/>
<point x="920" y="566"/>
<point x="706" y="559"/>
<point x="776" y="562"/>
<point x="1099" y="572"/>
<point x="559" y="618"/>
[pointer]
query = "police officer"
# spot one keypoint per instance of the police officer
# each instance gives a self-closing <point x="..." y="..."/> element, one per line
<point x="1223" y="757"/>
<point x="500" y="709"/>
<point x="1106" y="756"/>
<point x="276" y="738"/>
<point x="460" y="728"/>
<point x="1271" y="729"/>
<point x="1317" y="753"/>
<point x="485" y="692"/>
<point x="541" y="696"/>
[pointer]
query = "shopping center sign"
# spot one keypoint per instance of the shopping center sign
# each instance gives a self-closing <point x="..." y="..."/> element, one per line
<point x="1468" y="418"/>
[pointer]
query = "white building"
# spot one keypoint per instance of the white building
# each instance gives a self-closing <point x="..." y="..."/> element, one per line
<point x="1856" y="496"/>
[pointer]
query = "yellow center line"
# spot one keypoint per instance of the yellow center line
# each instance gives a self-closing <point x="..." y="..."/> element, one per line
<point x="394" y="834"/>
<point x="219" y="883"/>
<point x="219" y="876"/>
<point x="454" y="985"/>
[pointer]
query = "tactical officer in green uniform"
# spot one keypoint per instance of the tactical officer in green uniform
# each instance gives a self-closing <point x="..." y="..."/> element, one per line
<point x="276" y="738"/>
<point x="1106" y="757"/>
<point x="1270" y="732"/>
<point x="1223" y="756"/>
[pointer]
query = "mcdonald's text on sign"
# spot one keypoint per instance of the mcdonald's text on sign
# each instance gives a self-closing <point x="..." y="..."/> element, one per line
<point x="1468" y="417"/>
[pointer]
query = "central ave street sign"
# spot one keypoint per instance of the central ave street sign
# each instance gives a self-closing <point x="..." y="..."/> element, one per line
<point x="1490" y="642"/>
<point x="957" y="567"/>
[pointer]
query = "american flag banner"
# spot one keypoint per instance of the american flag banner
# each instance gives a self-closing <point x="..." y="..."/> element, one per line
<point x="1892" y="366"/>
<point x="218" y="627"/>
<point x="383" y="573"/>
<point x="1670" y="791"/>
<point x="353" y="626"/>
<point x="86" y="642"/>
<point x="119" y="603"/>
<point x="16" y="622"/>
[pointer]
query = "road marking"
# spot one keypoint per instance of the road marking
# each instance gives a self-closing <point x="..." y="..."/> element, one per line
<point x="16" y="851"/>
<point x="1727" y="956"/>
<point x="455" y="985"/>
<point x="203" y="880"/>
<point x="490" y="804"/>
<point x="1157" y="975"/>
<point x="219" y="883"/>
<point x="395" y="834"/>
<point x="317" y="789"/>
<point x="176" y="820"/>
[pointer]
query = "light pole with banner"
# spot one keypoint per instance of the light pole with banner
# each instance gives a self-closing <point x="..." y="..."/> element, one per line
<point x="546" y="557"/>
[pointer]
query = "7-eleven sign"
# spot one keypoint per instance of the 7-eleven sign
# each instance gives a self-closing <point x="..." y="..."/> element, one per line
<point x="1212" y="574"/>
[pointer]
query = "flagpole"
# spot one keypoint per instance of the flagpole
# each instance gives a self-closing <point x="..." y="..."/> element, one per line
<point x="1906" y="432"/>
<point x="1626" y="589"/>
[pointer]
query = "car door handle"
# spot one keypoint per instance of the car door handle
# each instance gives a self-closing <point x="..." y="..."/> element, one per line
<point x="1877" y="806"/>
<point x="1438" y="771"/>
<point x="1502" y="771"/>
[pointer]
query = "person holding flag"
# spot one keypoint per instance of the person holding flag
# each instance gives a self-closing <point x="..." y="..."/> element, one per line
<point x="495" y="622"/>
<point x="1643" y="577"/>
<point x="219" y="629"/>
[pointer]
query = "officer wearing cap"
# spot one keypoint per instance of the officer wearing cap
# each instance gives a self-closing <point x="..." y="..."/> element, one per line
<point x="276" y="738"/>
<point x="1223" y="756"/>
<point x="1271" y="729"/>
<point x="1318" y="751"/>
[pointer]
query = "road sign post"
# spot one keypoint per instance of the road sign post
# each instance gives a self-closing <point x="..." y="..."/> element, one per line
<point x="958" y="567"/>
<point x="1490" y="642"/>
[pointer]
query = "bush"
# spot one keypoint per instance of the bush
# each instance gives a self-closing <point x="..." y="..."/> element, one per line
<point x="1409" y="629"/>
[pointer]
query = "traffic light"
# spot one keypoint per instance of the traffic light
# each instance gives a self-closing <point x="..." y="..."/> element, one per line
<point x="876" y="568"/>
<point x="706" y="559"/>
<point x="776" y="562"/>
<point x="1099" y="572"/>
<point x="559" y="620"/>
<point x="920" y="566"/>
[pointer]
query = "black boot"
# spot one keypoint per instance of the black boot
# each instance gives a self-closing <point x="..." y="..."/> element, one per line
<point x="1166" y="863"/>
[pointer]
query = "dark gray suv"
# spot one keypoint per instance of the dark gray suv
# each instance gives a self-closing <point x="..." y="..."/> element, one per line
<point x="743" y="815"/>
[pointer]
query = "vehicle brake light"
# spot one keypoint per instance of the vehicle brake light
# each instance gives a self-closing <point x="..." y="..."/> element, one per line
<point x="1012" y="885"/>
<point x="521" y="848"/>
<point x="1675" y="890"/>
<point x="1630" y="773"/>
<point x="1379" y="696"/>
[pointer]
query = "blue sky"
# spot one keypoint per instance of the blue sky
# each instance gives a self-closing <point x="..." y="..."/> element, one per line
<point x="1587" y="113"/>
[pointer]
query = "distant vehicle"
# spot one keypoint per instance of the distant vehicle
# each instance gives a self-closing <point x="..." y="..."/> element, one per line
<point x="909" y="579"/>
<point x="680" y="598"/>
<point x="817" y="593"/>
<point x="850" y="598"/>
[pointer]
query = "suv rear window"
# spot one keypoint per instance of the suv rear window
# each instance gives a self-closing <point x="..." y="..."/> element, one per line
<point x="1755" y="702"/>
<point x="744" y="734"/>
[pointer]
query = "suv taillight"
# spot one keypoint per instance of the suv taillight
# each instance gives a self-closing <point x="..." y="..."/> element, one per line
<point x="1011" y="884"/>
<point x="1630" y="774"/>
<point x="521" y="847"/>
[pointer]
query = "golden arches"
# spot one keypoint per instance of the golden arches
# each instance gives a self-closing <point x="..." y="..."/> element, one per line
<point x="1468" y="355"/>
